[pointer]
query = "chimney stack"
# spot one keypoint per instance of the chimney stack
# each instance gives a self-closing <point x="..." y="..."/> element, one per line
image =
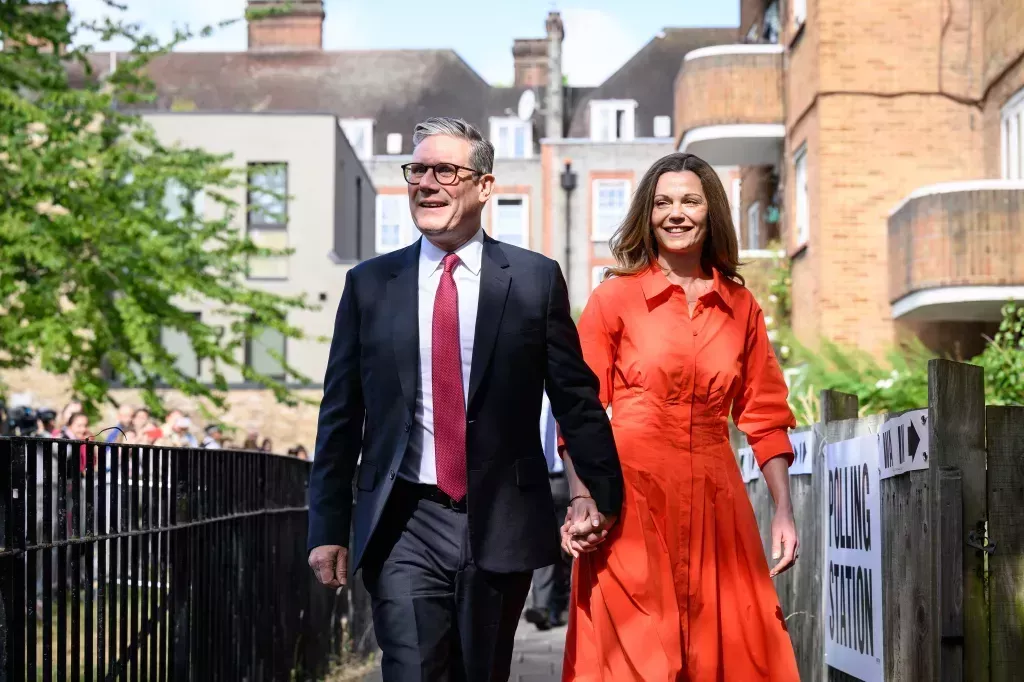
<point x="530" y="56"/>
<point x="555" y="96"/>
<point x="284" y="25"/>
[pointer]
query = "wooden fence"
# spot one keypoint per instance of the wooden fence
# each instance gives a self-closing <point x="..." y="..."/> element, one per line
<point x="952" y="550"/>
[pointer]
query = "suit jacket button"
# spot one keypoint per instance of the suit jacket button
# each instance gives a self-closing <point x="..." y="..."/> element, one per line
<point x="391" y="474"/>
<point x="407" y="425"/>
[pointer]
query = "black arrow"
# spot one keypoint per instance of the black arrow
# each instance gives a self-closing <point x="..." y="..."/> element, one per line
<point x="913" y="439"/>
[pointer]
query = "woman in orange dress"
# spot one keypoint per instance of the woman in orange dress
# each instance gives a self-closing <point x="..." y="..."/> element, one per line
<point x="678" y="588"/>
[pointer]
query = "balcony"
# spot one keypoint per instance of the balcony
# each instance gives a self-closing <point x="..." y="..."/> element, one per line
<point x="729" y="104"/>
<point x="956" y="251"/>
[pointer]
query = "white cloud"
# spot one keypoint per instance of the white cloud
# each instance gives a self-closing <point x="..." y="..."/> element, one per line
<point x="596" y="45"/>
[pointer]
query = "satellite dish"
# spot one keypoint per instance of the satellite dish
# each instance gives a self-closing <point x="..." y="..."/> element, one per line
<point x="527" y="105"/>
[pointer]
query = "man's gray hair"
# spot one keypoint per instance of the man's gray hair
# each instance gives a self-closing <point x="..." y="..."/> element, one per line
<point x="481" y="153"/>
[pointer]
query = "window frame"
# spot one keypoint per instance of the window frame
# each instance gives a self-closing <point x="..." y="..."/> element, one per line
<point x="627" y="106"/>
<point x="754" y="225"/>
<point x="524" y="218"/>
<point x="198" y="315"/>
<point x="283" y="377"/>
<point x="266" y="227"/>
<point x="407" y="232"/>
<point x="1011" y="133"/>
<point x="595" y="187"/>
<point x="801" y="199"/>
<point x="798" y="13"/>
<point x="512" y="124"/>
<point x="366" y="126"/>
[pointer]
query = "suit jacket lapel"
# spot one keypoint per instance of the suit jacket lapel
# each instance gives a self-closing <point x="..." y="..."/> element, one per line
<point x="403" y="307"/>
<point x="494" y="285"/>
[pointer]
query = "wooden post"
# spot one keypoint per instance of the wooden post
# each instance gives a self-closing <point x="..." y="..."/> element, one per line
<point x="1006" y="532"/>
<point x="950" y="577"/>
<point x="835" y="407"/>
<point x="956" y="440"/>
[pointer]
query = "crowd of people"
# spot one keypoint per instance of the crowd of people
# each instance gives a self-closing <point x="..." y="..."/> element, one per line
<point x="137" y="426"/>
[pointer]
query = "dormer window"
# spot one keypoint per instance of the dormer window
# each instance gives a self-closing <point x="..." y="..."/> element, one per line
<point x="359" y="132"/>
<point x="512" y="138"/>
<point x="612" y="120"/>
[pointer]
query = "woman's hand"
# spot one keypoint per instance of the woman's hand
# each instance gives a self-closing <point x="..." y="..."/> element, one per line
<point x="785" y="543"/>
<point x="585" y="527"/>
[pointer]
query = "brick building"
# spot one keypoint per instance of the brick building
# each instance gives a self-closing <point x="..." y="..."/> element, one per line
<point x="886" y="141"/>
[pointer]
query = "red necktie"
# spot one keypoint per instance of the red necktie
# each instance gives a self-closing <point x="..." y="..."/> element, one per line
<point x="449" y="400"/>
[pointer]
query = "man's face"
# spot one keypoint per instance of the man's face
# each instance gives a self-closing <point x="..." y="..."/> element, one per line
<point x="448" y="214"/>
<point x="125" y="414"/>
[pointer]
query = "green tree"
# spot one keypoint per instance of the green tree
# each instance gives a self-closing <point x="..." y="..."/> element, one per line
<point x="94" y="263"/>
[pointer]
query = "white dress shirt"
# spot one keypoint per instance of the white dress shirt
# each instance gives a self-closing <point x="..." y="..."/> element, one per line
<point x="418" y="465"/>
<point x="549" y="437"/>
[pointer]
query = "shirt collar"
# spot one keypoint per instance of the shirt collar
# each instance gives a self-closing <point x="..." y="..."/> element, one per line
<point x="655" y="283"/>
<point x="471" y="253"/>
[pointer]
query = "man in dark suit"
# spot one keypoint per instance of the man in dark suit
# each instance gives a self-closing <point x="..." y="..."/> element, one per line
<point x="440" y="357"/>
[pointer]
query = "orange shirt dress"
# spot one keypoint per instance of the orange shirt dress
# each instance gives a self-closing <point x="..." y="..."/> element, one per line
<point x="680" y="588"/>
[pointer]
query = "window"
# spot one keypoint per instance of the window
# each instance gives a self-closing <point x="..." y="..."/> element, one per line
<point x="737" y="186"/>
<point x="265" y="352"/>
<point x="359" y="132"/>
<point x="510" y="220"/>
<point x="268" y="218"/>
<point x="754" y="225"/>
<point x="612" y="120"/>
<point x="611" y="201"/>
<point x="177" y="198"/>
<point x="1013" y="138"/>
<point x="395" y="228"/>
<point x="662" y="126"/>
<point x="597" y="275"/>
<point x="803" y="210"/>
<point x="178" y="344"/>
<point x="512" y="138"/>
<point x="799" y="13"/>
<point x="770" y="33"/>
<point x="394" y="143"/>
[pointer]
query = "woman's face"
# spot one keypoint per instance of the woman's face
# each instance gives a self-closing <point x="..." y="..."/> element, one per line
<point x="680" y="214"/>
<point x="140" y="420"/>
<point x="79" y="427"/>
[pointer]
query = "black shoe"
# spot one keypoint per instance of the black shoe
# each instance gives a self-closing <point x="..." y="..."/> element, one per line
<point x="539" y="618"/>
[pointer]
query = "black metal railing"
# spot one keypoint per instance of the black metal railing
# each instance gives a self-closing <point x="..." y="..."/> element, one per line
<point x="126" y="562"/>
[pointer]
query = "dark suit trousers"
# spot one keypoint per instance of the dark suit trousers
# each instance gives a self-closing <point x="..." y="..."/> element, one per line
<point x="438" y="617"/>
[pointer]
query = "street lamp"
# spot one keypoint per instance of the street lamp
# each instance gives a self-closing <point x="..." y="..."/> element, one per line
<point x="568" y="185"/>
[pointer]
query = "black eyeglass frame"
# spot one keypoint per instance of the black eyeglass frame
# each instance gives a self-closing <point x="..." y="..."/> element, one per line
<point x="426" y="167"/>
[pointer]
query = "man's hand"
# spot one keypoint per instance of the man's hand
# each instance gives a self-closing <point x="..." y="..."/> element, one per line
<point x="330" y="564"/>
<point x="585" y="527"/>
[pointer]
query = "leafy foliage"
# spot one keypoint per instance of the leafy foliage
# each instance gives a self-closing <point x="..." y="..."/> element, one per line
<point x="1003" y="359"/>
<point x="102" y="244"/>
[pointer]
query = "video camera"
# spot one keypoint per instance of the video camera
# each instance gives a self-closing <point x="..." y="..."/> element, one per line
<point x="25" y="421"/>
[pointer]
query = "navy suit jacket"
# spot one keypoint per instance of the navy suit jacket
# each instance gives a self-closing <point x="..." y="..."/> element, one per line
<point x="525" y="341"/>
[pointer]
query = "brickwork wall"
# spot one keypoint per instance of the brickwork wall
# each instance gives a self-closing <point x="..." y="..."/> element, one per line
<point x="729" y="88"/>
<point x="756" y="185"/>
<point x="286" y="32"/>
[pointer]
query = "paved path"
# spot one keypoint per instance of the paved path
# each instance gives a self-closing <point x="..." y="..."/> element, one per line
<point x="537" y="657"/>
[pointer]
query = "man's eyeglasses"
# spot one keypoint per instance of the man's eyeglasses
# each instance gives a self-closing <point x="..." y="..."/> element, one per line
<point x="445" y="173"/>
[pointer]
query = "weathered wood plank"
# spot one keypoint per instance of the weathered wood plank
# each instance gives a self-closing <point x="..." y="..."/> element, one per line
<point x="956" y="437"/>
<point x="950" y="576"/>
<point x="1006" y="530"/>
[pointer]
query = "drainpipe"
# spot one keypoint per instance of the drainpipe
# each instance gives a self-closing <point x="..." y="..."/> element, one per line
<point x="568" y="185"/>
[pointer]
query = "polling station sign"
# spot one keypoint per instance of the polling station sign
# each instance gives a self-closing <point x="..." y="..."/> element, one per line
<point x="903" y="444"/>
<point x="803" y="443"/>
<point x="853" y="559"/>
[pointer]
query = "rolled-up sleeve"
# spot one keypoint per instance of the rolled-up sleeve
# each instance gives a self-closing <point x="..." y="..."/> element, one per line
<point x="761" y="410"/>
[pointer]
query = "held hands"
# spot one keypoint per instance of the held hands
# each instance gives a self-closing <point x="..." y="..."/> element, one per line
<point x="785" y="544"/>
<point x="330" y="564"/>
<point x="585" y="527"/>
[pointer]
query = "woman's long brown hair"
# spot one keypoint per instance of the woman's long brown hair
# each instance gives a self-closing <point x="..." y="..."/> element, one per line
<point x="634" y="245"/>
